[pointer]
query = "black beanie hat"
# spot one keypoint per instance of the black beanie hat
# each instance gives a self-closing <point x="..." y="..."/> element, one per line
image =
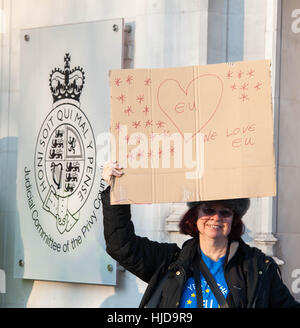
<point x="237" y="205"/>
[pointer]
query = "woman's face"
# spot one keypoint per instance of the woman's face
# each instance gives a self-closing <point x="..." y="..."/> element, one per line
<point x="214" y="220"/>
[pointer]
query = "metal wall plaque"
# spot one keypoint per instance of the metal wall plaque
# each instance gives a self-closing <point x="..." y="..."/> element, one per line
<point x="64" y="106"/>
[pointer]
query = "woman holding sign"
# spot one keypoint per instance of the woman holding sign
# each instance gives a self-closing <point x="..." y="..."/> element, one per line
<point x="215" y="268"/>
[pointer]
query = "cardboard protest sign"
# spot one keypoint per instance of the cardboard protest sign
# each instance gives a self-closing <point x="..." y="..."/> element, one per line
<point x="193" y="133"/>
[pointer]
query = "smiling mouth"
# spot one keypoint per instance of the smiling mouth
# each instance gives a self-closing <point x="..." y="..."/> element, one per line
<point x="214" y="226"/>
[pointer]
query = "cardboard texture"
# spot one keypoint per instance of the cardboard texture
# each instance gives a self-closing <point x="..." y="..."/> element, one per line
<point x="193" y="133"/>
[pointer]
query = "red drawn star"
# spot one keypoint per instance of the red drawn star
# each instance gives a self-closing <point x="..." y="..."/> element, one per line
<point x="140" y="99"/>
<point x="257" y="86"/>
<point x="146" y="110"/>
<point x="160" y="124"/>
<point x="147" y="82"/>
<point x="233" y="87"/>
<point x="148" y="123"/>
<point x="128" y="110"/>
<point x="244" y="86"/>
<point x="117" y="126"/>
<point x="251" y="73"/>
<point x="118" y="81"/>
<point x="129" y="79"/>
<point x="149" y="154"/>
<point x="127" y="138"/>
<point x="140" y="154"/>
<point x="136" y="124"/>
<point x="121" y="98"/>
<point x="229" y="75"/>
<point x="244" y="97"/>
<point x="240" y="73"/>
<point x="160" y="152"/>
<point x="172" y="150"/>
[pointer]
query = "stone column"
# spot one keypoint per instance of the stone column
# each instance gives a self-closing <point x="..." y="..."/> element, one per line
<point x="264" y="237"/>
<point x="172" y="221"/>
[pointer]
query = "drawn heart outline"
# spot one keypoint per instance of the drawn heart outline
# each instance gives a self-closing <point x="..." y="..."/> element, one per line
<point x="186" y="91"/>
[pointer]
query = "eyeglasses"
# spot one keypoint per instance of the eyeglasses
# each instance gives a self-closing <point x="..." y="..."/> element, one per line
<point x="223" y="214"/>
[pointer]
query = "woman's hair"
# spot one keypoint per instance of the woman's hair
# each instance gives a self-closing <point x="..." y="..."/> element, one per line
<point x="188" y="223"/>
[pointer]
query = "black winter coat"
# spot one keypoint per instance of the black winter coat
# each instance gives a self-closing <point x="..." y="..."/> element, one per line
<point x="253" y="279"/>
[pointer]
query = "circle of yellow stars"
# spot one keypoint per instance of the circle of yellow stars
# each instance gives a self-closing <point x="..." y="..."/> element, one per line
<point x="189" y="301"/>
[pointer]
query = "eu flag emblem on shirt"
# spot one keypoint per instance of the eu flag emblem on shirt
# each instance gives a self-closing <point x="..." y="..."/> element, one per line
<point x="189" y="297"/>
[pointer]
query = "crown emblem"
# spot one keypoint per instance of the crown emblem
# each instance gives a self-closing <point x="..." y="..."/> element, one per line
<point x="67" y="83"/>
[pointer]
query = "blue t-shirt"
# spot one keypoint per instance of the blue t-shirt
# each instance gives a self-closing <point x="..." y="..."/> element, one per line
<point x="189" y="298"/>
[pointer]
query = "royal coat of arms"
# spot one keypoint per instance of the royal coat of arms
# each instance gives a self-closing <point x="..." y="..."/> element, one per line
<point x="65" y="160"/>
